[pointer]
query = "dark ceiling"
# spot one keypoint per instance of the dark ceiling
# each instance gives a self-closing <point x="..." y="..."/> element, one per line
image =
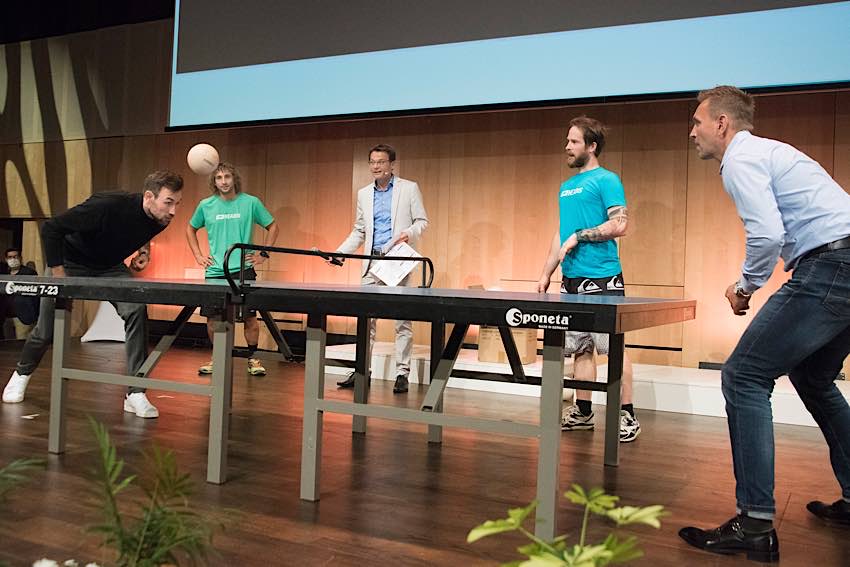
<point x="21" y="20"/>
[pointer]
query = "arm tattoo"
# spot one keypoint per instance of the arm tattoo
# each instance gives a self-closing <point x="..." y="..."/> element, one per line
<point x="590" y="235"/>
<point x="617" y="214"/>
<point x="617" y="218"/>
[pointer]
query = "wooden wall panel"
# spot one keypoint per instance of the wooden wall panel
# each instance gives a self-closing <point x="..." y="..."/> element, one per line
<point x="309" y="192"/>
<point x="655" y="178"/>
<point x="806" y="121"/>
<point x="24" y="181"/>
<point x="108" y="82"/>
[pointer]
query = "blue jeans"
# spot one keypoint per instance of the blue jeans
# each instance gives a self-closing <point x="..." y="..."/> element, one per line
<point x="804" y="331"/>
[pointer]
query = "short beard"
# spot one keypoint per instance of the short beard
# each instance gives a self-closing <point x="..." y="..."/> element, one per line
<point x="580" y="161"/>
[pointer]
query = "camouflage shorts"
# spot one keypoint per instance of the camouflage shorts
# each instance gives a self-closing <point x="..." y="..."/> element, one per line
<point x="580" y="342"/>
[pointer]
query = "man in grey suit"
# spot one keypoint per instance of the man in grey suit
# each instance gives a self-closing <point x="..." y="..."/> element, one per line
<point x="389" y="211"/>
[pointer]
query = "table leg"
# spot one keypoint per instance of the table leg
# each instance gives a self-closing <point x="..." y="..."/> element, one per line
<point x="58" y="384"/>
<point x="314" y="387"/>
<point x="549" y="458"/>
<point x="612" y="400"/>
<point x="362" y="365"/>
<point x="220" y="400"/>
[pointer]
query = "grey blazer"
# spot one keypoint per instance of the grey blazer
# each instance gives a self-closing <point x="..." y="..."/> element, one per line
<point x="408" y="215"/>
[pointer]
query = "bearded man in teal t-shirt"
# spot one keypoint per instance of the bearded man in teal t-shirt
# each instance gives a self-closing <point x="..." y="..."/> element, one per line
<point x="592" y="207"/>
<point x="229" y="216"/>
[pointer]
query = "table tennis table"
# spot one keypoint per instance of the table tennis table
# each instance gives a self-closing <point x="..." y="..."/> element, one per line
<point x="554" y="313"/>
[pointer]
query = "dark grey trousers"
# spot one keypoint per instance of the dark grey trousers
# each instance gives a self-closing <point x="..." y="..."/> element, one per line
<point x="135" y="316"/>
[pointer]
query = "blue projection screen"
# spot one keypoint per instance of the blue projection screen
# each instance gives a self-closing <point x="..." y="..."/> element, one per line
<point x="264" y="60"/>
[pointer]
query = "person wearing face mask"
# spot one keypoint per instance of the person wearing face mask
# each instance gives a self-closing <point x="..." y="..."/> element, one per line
<point x="23" y="311"/>
<point x="92" y="240"/>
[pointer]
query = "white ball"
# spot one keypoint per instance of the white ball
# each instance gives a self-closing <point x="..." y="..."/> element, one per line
<point x="202" y="159"/>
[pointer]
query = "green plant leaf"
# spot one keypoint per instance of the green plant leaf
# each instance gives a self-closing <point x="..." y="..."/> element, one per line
<point x="490" y="527"/>
<point x="649" y="515"/>
<point x="542" y="553"/>
<point x="165" y="524"/>
<point x="542" y="561"/>
<point x="596" y="499"/>
<point x="622" y="551"/>
<point x="516" y="516"/>
<point x="588" y="555"/>
<point x="577" y="495"/>
<point x="16" y="473"/>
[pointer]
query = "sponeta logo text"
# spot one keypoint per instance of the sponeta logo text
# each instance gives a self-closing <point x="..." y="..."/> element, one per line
<point x="516" y="317"/>
<point x="12" y="288"/>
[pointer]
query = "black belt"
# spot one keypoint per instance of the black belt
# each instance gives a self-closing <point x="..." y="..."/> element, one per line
<point x="377" y="252"/>
<point x="835" y="245"/>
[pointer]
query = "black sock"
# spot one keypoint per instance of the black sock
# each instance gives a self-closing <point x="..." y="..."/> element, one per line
<point x="584" y="407"/>
<point x="629" y="408"/>
<point x="252" y="349"/>
<point x="756" y="525"/>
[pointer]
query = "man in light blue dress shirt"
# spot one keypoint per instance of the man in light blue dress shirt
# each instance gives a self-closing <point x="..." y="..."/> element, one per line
<point x="793" y="209"/>
<point x="389" y="211"/>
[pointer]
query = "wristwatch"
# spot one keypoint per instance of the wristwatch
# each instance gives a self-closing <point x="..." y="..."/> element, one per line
<point x="739" y="291"/>
<point x="264" y="254"/>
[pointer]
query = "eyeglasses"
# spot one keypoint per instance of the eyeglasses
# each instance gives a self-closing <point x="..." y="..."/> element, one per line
<point x="379" y="162"/>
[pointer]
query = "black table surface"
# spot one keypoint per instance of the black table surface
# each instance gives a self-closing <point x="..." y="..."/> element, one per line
<point x="609" y="314"/>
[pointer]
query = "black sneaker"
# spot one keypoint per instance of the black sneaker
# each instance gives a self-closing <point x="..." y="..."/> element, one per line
<point x="347" y="383"/>
<point x="400" y="385"/>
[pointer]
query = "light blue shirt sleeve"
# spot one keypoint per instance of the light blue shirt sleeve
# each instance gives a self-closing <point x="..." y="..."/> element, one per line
<point x="749" y="183"/>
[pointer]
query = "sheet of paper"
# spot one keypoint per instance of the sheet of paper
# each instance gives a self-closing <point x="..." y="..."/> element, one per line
<point x="390" y="272"/>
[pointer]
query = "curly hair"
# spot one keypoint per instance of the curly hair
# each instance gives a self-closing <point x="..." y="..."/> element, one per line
<point x="229" y="168"/>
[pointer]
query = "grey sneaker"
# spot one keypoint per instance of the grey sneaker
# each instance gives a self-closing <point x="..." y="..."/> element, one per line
<point x="573" y="420"/>
<point x="629" y="427"/>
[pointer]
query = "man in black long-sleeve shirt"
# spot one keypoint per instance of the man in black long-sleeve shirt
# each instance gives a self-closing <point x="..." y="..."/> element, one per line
<point x="92" y="240"/>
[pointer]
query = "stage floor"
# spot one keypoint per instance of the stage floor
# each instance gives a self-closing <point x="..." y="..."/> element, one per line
<point x="693" y="391"/>
<point x="388" y="498"/>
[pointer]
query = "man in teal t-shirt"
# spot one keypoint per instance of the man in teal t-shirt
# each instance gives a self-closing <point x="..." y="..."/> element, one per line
<point x="592" y="207"/>
<point x="229" y="215"/>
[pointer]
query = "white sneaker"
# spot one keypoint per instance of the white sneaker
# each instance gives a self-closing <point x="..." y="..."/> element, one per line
<point x="138" y="404"/>
<point x="629" y="427"/>
<point x="573" y="420"/>
<point x="255" y="367"/>
<point x="15" y="389"/>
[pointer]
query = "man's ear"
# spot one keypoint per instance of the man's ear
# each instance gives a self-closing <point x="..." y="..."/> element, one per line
<point x="722" y="124"/>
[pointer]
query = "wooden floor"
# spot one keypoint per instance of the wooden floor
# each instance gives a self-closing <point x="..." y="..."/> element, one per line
<point x="387" y="498"/>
